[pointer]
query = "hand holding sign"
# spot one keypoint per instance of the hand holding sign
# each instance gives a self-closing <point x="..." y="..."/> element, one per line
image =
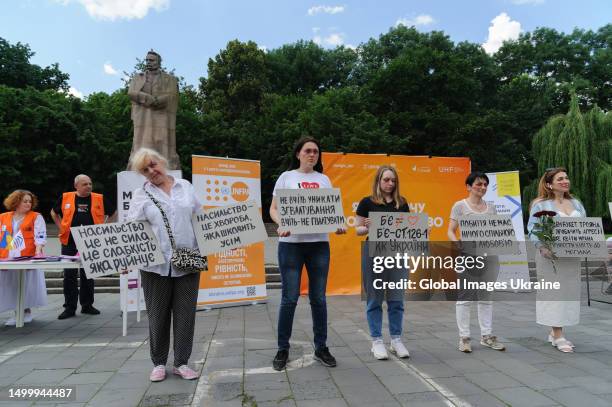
<point x="113" y="247"/>
<point x="228" y="227"/>
<point x="311" y="210"/>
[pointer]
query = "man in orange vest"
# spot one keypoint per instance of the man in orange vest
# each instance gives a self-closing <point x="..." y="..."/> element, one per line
<point x="79" y="208"/>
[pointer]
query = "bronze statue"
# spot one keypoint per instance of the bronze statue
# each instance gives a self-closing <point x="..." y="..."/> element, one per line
<point x="154" y="96"/>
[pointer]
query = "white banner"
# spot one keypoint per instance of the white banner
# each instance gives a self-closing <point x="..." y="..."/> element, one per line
<point x="505" y="192"/>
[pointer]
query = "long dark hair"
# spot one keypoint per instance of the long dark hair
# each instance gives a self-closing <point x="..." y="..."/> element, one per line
<point x="297" y="147"/>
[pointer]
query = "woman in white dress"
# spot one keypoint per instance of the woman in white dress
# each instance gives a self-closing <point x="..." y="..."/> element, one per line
<point x="21" y="220"/>
<point x="560" y="308"/>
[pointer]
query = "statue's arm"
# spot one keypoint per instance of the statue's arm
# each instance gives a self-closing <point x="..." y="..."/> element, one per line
<point x="168" y="99"/>
<point x="139" y="97"/>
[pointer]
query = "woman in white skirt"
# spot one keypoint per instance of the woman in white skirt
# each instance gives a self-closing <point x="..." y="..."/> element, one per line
<point x="560" y="308"/>
<point x="21" y="220"/>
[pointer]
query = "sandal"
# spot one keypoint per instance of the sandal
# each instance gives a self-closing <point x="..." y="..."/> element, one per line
<point x="552" y="338"/>
<point x="563" y="345"/>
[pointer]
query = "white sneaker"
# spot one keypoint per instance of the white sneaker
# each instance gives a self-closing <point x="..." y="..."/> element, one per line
<point x="11" y="322"/>
<point x="27" y="317"/>
<point x="379" y="350"/>
<point x="398" y="348"/>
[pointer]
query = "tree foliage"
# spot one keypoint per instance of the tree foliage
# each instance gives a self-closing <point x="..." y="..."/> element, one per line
<point x="581" y="143"/>
<point x="404" y="92"/>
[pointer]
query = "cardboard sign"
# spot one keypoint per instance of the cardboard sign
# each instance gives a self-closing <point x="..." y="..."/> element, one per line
<point x="228" y="227"/>
<point x="491" y="234"/>
<point x="310" y="210"/>
<point x="112" y="247"/>
<point x="398" y="232"/>
<point x="579" y="238"/>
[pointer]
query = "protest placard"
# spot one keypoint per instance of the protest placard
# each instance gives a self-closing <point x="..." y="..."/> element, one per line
<point x="112" y="247"/>
<point x="310" y="210"/>
<point x="397" y="232"/>
<point x="491" y="234"/>
<point x="228" y="227"/>
<point x="579" y="238"/>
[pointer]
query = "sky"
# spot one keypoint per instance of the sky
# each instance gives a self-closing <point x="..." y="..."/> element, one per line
<point x="96" y="41"/>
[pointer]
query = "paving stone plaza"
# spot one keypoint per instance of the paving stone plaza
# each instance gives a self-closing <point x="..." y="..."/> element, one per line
<point x="234" y="348"/>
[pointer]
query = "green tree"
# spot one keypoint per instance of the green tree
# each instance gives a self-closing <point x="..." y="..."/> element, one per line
<point x="583" y="145"/>
<point x="16" y="70"/>
<point x="236" y="80"/>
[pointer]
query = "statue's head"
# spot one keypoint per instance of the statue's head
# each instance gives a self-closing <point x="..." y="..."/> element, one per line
<point x="153" y="61"/>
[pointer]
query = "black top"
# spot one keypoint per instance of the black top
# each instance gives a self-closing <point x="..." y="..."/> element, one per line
<point x="82" y="214"/>
<point x="366" y="206"/>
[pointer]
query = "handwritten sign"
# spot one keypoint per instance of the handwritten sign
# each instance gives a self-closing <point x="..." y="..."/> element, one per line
<point x="310" y="210"/>
<point x="228" y="227"/>
<point x="491" y="234"/>
<point x="112" y="247"/>
<point x="579" y="237"/>
<point x="398" y="232"/>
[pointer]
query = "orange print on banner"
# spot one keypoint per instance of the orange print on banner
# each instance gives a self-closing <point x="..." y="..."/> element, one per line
<point x="240" y="191"/>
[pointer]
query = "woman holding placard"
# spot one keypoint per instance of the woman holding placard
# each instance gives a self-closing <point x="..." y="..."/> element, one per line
<point x="563" y="307"/>
<point x="22" y="223"/>
<point x="477" y="184"/>
<point x="385" y="198"/>
<point x="170" y="295"/>
<point x="296" y="251"/>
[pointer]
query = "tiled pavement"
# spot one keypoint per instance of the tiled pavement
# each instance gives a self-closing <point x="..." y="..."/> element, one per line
<point x="234" y="348"/>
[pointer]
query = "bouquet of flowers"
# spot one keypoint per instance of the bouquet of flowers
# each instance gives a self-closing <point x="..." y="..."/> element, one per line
<point x="544" y="231"/>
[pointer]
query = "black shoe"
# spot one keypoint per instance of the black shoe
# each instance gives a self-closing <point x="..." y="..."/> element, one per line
<point x="280" y="360"/>
<point x="89" y="309"/>
<point x="66" y="314"/>
<point x="326" y="358"/>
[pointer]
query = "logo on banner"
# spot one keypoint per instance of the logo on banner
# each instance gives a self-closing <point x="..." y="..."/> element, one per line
<point x="450" y="170"/>
<point x="240" y="191"/>
<point x="220" y="191"/>
<point x="416" y="168"/>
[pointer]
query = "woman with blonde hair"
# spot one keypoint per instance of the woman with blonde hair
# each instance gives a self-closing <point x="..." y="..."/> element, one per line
<point x="170" y="294"/>
<point x="561" y="308"/>
<point x="21" y="220"/>
<point x="385" y="197"/>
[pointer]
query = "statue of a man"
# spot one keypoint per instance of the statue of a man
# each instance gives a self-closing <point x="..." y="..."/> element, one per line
<point x="154" y="96"/>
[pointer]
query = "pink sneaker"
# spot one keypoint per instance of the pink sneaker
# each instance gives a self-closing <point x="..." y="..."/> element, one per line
<point x="186" y="372"/>
<point x="158" y="373"/>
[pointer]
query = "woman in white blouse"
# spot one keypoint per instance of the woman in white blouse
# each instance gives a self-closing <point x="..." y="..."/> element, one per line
<point x="560" y="308"/>
<point x="22" y="224"/>
<point x="170" y="295"/>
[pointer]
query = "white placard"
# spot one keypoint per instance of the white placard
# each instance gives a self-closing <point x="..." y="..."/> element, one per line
<point x="398" y="226"/>
<point x="492" y="234"/>
<point x="112" y="247"/>
<point x="579" y="238"/>
<point x="397" y="232"/>
<point x="310" y="210"/>
<point x="228" y="227"/>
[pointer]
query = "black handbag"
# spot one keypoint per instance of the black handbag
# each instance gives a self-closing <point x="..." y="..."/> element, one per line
<point x="184" y="259"/>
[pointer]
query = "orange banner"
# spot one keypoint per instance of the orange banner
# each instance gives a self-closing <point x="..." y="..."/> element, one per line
<point x="430" y="184"/>
<point x="234" y="276"/>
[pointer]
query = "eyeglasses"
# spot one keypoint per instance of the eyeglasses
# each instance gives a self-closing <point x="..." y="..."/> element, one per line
<point x="311" y="151"/>
<point x="554" y="169"/>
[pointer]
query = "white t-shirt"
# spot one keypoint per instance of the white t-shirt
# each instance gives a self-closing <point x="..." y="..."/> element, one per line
<point x="463" y="208"/>
<point x="297" y="180"/>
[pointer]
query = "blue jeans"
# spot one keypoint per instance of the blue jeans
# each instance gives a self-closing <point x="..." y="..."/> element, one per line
<point x="395" y="312"/>
<point x="375" y="297"/>
<point x="291" y="258"/>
